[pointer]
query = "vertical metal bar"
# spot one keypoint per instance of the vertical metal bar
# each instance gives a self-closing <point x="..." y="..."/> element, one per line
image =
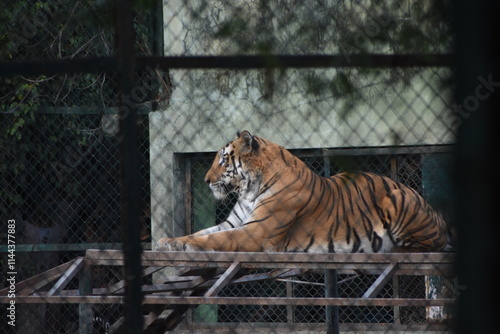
<point x="331" y="287"/>
<point x="129" y="168"/>
<point x="332" y="312"/>
<point x="477" y="27"/>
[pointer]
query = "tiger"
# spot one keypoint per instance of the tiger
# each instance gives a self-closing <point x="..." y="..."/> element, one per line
<point x="283" y="206"/>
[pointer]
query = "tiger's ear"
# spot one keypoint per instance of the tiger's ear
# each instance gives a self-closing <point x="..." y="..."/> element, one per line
<point x="248" y="143"/>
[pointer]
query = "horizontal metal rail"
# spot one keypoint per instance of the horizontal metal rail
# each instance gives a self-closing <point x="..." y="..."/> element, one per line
<point x="110" y="64"/>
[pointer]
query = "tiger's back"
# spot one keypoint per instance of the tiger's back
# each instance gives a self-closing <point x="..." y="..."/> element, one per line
<point x="284" y="206"/>
<point x="369" y="213"/>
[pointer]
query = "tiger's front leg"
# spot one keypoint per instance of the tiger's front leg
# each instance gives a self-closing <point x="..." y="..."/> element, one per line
<point x="247" y="239"/>
<point x="186" y="243"/>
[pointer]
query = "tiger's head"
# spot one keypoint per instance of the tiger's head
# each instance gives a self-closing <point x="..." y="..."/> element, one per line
<point x="231" y="170"/>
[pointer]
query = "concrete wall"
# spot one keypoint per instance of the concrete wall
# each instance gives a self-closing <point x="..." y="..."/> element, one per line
<point x="208" y="107"/>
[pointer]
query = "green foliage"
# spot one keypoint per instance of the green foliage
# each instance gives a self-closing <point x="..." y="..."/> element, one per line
<point x="33" y="144"/>
<point x="337" y="27"/>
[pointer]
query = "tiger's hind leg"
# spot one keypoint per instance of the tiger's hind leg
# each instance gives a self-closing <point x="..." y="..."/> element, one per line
<point x="411" y="223"/>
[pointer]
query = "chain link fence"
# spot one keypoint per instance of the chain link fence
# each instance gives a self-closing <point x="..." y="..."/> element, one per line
<point x="60" y="139"/>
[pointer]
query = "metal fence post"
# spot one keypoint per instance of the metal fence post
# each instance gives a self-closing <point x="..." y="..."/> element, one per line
<point x="331" y="287"/>
<point x="129" y="167"/>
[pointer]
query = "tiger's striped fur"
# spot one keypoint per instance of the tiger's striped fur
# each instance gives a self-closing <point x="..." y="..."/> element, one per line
<point x="284" y="206"/>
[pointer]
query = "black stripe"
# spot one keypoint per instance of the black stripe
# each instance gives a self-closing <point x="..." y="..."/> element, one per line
<point x="282" y="153"/>
<point x="386" y="184"/>
<point x="366" y="224"/>
<point x="311" y="242"/>
<point x="357" y="241"/>
<point x="256" y="221"/>
<point x="372" y="192"/>
<point x="331" y="246"/>
<point x="376" y="242"/>
<point x="416" y="213"/>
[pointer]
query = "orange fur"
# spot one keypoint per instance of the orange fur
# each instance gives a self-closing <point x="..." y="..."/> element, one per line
<point x="284" y="206"/>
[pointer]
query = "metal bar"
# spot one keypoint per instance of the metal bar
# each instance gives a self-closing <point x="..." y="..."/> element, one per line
<point x="379" y="283"/>
<point x="59" y="66"/>
<point x="129" y="170"/>
<point x="331" y="283"/>
<point x="339" y="151"/>
<point x="68" y="247"/>
<point x="110" y="64"/>
<point x="67" y="276"/>
<point x="332" y="312"/>
<point x="306" y="61"/>
<point x="388" y="150"/>
<point x="168" y="299"/>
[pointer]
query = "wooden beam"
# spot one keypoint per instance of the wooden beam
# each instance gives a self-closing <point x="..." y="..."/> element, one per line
<point x="261" y="257"/>
<point x="121" y="284"/>
<point x="379" y="283"/>
<point x="67" y="276"/>
<point x="152" y="318"/>
<point x="420" y="261"/>
<point x="189" y="300"/>
<point x="174" y="318"/>
<point x="36" y="282"/>
<point x="223" y="280"/>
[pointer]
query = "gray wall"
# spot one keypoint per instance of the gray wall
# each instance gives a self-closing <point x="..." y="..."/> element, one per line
<point x="208" y="107"/>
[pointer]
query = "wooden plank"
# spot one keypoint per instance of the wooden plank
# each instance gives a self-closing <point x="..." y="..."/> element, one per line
<point x="380" y="282"/>
<point x="223" y="280"/>
<point x="168" y="299"/>
<point x="67" y="276"/>
<point x="261" y="257"/>
<point x="36" y="282"/>
<point x="414" y="261"/>
<point x="179" y="285"/>
<point x="174" y="318"/>
<point x="372" y="268"/>
<point x="273" y="274"/>
<point x="85" y="311"/>
<point x="316" y="328"/>
<point x="121" y="284"/>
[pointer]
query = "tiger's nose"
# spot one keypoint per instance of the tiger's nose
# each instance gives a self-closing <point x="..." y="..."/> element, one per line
<point x="207" y="180"/>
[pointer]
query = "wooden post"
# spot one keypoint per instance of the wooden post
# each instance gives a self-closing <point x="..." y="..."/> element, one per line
<point x="85" y="311"/>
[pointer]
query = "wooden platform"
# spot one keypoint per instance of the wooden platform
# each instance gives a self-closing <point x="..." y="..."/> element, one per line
<point x="203" y="275"/>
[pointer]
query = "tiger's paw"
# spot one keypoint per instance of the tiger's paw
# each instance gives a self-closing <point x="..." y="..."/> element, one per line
<point x="175" y="244"/>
